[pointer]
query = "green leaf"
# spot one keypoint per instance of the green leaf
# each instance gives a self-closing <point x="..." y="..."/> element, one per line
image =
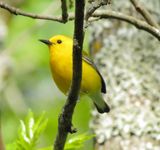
<point x="74" y="143"/>
<point x="77" y="141"/>
<point x="30" y="131"/>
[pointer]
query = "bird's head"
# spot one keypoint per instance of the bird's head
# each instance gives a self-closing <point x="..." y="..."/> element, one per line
<point x="58" y="43"/>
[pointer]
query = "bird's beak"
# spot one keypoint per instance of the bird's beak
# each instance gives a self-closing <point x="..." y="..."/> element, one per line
<point x="47" y="42"/>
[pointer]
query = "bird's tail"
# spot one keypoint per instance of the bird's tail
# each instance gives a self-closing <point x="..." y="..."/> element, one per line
<point x="99" y="102"/>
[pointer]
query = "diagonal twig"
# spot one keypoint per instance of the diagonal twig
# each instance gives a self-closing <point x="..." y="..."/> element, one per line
<point x="145" y="13"/>
<point x="94" y="6"/>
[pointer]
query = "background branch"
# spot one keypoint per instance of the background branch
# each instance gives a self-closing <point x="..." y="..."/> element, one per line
<point x="65" y="118"/>
<point x="16" y="11"/>
<point x="145" y="13"/>
<point x="137" y="23"/>
<point x="99" y="14"/>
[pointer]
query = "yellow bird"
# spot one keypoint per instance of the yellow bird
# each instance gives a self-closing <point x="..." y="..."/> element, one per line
<point x="60" y="48"/>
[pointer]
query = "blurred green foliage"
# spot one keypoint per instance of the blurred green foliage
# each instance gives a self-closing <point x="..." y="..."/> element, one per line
<point x="31" y="129"/>
<point x="30" y="83"/>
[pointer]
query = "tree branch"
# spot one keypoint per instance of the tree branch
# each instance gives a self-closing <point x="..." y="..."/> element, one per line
<point x="16" y="11"/>
<point x="64" y="10"/>
<point x="137" y="23"/>
<point x="144" y="12"/>
<point x="100" y="14"/>
<point x="65" y="118"/>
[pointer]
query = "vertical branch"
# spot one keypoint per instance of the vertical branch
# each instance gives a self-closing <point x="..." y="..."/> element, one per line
<point x="64" y="10"/>
<point x="65" y="118"/>
<point x="144" y="12"/>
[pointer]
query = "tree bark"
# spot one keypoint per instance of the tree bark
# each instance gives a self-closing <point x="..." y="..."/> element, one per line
<point x="128" y="60"/>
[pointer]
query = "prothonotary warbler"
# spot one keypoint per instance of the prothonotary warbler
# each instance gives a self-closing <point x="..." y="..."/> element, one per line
<point x="60" y="48"/>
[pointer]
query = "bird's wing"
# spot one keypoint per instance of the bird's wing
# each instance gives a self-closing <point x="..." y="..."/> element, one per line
<point x="90" y="62"/>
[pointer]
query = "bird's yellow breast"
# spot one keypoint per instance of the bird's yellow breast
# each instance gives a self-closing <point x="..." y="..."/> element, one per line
<point x="61" y="67"/>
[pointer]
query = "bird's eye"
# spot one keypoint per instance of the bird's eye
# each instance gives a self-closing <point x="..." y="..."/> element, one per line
<point x="59" y="41"/>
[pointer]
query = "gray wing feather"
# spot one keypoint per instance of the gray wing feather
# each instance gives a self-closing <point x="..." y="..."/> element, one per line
<point x="90" y="62"/>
